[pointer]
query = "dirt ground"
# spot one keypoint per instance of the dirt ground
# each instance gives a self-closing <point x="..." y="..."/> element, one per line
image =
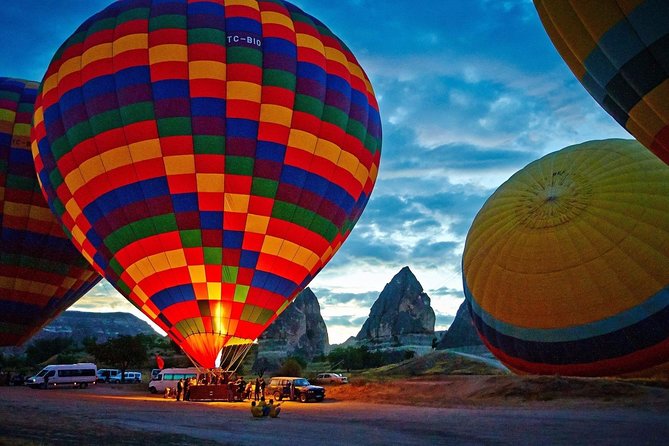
<point x="462" y="410"/>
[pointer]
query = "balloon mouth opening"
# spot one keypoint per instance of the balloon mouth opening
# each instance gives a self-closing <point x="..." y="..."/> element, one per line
<point x="217" y="361"/>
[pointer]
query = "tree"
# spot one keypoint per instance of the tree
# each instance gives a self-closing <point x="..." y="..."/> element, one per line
<point x="291" y="367"/>
<point x="122" y="352"/>
<point x="260" y="366"/>
<point x="12" y="362"/>
<point x="43" y="349"/>
<point x="358" y="358"/>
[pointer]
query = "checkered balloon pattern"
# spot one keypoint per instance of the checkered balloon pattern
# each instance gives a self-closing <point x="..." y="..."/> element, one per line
<point x="41" y="273"/>
<point x="619" y="52"/>
<point x="207" y="157"/>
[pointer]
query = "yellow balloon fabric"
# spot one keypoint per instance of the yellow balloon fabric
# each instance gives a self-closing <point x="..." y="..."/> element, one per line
<point x="566" y="266"/>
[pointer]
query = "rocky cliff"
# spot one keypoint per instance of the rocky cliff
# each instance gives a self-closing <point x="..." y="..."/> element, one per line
<point x="401" y="315"/>
<point x="461" y="333"/>
<point x="300" y="330"/>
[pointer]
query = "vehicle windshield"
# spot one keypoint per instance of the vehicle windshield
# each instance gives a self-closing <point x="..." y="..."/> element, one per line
<point x="42" y="372"/>
<point x="301" y="382"/>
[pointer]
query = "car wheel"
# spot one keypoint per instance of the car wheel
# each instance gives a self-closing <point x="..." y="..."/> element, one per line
<point x="303" y="397"/>
<point x="278" y="396"/>
<point x="153" y="390"/>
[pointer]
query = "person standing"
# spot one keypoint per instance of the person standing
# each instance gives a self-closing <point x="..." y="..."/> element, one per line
<point x="262" y="387"/>
<point x="256" y="391"/>
<point x="248" y="392"/>
<point x="241" y="387"/>
<point x="180" y="388"/>
<point x="187" y="384"/>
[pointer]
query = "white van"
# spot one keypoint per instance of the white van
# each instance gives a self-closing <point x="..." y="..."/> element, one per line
<point x="108" y="375"/>
<point x="128" y="377"/>
<point x="77" y="375"/>
<point x="170" y="377"/>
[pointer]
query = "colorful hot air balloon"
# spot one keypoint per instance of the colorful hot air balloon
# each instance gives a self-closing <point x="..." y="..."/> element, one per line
<point x="208" y="157"/>
<point x="619" y="51"/>
<point x="566" y="266"/>
<point x="41" y="273"/>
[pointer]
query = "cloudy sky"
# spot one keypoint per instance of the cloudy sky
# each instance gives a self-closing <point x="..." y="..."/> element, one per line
<point x="470" y="91"/>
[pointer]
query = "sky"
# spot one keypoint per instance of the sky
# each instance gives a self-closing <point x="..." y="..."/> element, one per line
<point x="470" y="91"/>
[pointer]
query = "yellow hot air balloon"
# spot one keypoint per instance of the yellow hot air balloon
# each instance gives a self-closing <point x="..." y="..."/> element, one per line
<point x="566" y="266"/>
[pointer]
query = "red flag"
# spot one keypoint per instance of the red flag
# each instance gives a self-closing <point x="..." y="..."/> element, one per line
<point x="160" y="362"/>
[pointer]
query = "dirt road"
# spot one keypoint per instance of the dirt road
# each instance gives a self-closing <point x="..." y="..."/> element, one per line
<point x="103" y="415"/>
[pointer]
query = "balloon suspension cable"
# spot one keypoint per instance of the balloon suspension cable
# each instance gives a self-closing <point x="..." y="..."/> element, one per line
<point x="233" y="355"/>
<point x="199" y="368"/>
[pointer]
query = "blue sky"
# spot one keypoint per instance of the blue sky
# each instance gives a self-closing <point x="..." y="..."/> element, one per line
<point x="470" y="91"/>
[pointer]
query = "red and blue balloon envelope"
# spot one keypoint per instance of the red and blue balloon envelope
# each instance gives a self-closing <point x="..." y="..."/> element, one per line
<point x="41" y="273"/>
<point x="208" y="157"/>
<point x="619" y="51"/>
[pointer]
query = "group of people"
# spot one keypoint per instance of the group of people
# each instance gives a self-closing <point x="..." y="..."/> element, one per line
<point x="183" y="389"/>
<point x="238" y="389"/>
<point x="262" y="409"/>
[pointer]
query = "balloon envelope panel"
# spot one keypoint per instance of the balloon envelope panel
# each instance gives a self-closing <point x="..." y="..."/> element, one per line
<point x="41" y="273"/>
<point x="619" y="51"/>
<point x="209" y="157"/>
<point x="566" y="266"/>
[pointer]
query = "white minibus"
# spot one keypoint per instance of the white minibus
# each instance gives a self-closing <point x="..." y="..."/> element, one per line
<point x="170" y="377"/>
<point x="77" y="375"/>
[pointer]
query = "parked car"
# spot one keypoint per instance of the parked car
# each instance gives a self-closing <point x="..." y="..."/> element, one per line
<point x="331" y="378"/>
<point x="128" y="377"/>
<point x="279" y="388"/>
<point x="18" y="380"/>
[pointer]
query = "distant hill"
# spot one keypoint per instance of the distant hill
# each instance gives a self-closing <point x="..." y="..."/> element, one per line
<point x="101" y="326"/>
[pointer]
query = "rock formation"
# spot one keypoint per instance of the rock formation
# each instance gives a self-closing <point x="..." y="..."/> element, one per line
<point x="300" y="330"/>
<point x="461" y="333"/>
<point x="401" y="315"/>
